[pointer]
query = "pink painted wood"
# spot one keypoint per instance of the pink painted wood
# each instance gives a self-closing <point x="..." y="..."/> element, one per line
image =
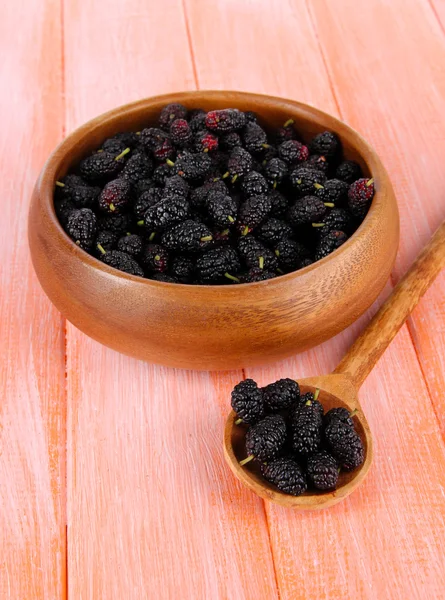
<point x="145" y="463"/>
<point x="151" y="508"/>
<point x="32" y="352"/>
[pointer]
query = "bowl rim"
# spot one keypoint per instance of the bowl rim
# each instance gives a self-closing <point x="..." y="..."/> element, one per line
<point x="46" y="182"/>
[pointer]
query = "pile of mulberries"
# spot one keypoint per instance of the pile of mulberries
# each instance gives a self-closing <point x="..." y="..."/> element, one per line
<point x="295" y="444"/>
<point x="218" y="196"/>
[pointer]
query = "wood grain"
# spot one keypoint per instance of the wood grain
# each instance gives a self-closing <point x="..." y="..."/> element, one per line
<point x="379" y="533"/>
<point x="151" y="512"/>
<point x="32" y="366"/>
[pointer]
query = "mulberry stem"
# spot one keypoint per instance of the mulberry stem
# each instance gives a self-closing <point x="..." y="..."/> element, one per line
<point x="206" y="238"/>
<point x="169" y="162"/>
<point x="329" y="204"/>
<point x="238" y="421"/>
<point x="152" y="235"/>
<point x="60" y="184"/>
<point x="112" y="207"/>
<point x="101" y="248"/>
<point x="123" y="153"/>
<point x="289" y="122"/>
<point x="317" y="393"/>
<point x="246" y="460"/>
<point x="232" y="277"/>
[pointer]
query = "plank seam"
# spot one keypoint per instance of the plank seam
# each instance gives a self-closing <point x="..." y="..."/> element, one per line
<point x="64" y="321"/>
<point x="190" y="44"/>
<point x="323" y="57"/>
<point x="436" y="14"/>
<point x="266" y="517"/>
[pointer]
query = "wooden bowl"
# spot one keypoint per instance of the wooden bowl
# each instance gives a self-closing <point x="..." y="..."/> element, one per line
<point x="213" y="327"/>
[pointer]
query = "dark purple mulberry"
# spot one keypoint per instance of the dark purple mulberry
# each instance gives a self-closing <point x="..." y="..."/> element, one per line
<point x="155" y="258"/>
<point x="115" y="196"/>
<point x="266" y="438"/>
<point x="123" y="262"/>
<point x="309" y="209"/>
<point x="81" y="227"/>
<point x="349" y="171"/>
<point x="327" y="144"/>
<point x="101" y="167"/>
<point x="293" y="152"/>
<point x="254" y="254"/>
<point x="225" y="121"/>
<point x="180" y="133"/>
<point x="188" y="236"/>
<point x="254" y="184"/>
<point x="166" y="213"/>
<point x="286" y="474"/>
<point x="281" y="394"/>
<point x="322" y="470"/>
<point x="247" y="401"/>
<point x="131" y="244"/>
<point x="218" y="263"/>
<point x="254" y="137"/>
<point x="273" y="231"/>
<point x="304" y="179"/>
<point x="253" y="212"/>
<point x="330" y="242"/>
<point x="170" y="113"/>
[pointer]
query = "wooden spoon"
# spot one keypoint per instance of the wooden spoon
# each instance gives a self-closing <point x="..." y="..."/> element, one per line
<point x="341" y="387"/>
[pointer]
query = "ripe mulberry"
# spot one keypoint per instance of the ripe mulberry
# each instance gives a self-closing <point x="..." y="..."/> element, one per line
<point x="281" y="394"/>
<point x="188" y="236"/>
<point x="345" y="444"/>
<point x="247" y="401"/>
<point x="82" y="227"/>
<point x="115" y="196"/>
<point x="286" y="474"/>
<point x="265" y="439"/>
<point x="123" y="262"/>
<point x="322" y="470"/>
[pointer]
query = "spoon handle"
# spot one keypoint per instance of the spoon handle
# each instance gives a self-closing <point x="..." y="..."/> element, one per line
<point x="369" y="347"/>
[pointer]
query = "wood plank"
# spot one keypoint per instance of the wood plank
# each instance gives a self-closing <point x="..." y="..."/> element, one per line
<point x="150" y="512"/>
<point x="411" y="142"/>
<point x="383" y="542"/>
<point x="32" y="343"/>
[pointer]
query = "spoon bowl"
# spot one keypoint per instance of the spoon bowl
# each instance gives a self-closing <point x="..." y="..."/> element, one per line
<point x="335" y="391"/>
<point x="340" y="389"/>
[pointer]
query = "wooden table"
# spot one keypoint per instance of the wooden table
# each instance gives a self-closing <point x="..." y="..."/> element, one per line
<point x="112" y="479"/>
